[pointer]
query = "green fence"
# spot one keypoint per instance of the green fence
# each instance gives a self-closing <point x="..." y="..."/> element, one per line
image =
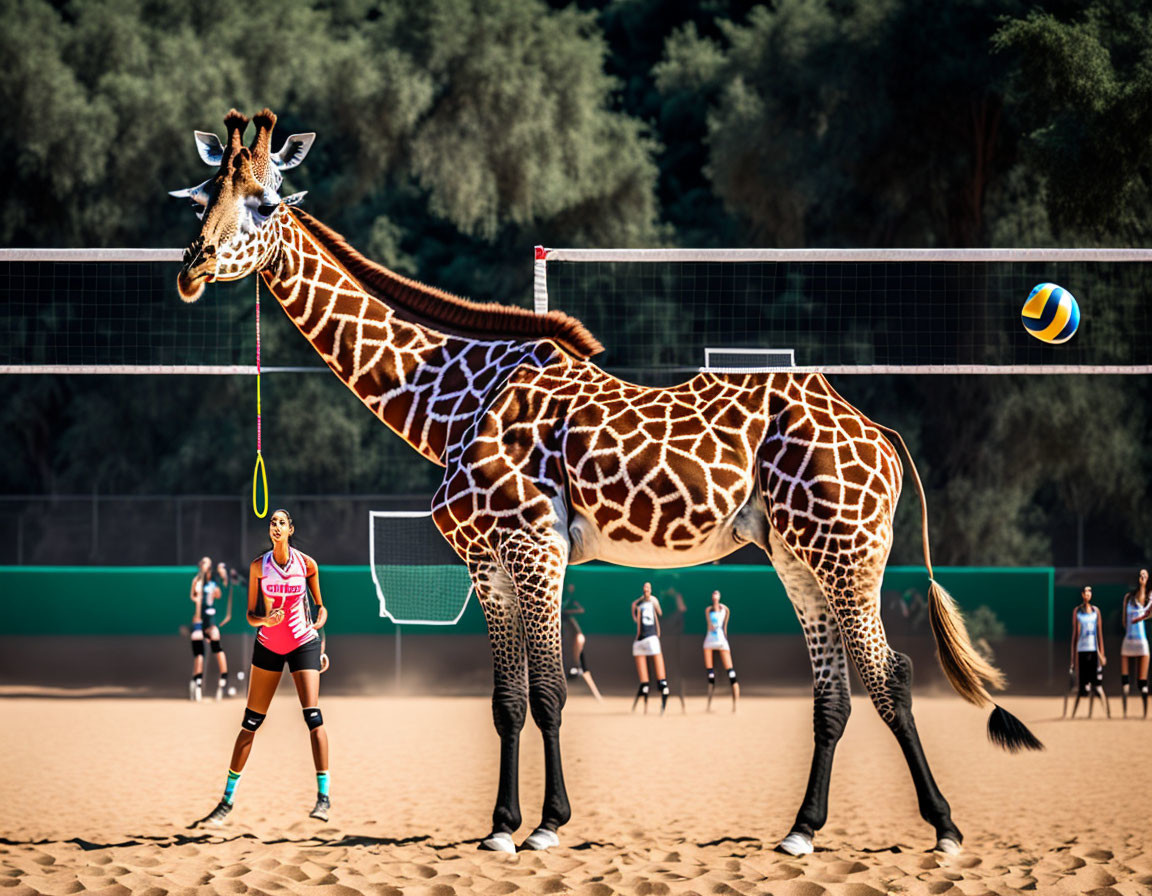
<point x="154" y="600"/>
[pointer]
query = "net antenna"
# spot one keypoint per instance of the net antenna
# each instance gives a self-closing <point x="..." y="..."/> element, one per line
<point x="848" y="311"/>
<point x="419" y="579"/>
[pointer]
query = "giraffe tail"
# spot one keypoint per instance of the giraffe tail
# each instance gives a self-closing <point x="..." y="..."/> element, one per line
<point x="967" y="671"/>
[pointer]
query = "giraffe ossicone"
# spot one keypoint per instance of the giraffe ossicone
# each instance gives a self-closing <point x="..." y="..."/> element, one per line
<point x="548" y="460"/>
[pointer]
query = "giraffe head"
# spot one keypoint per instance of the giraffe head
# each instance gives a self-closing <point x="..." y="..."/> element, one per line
<point x="238" y="203"/>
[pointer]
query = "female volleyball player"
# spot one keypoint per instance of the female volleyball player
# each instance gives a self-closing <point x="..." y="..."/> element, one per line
<point x="569" y="610"/>
<point x="1088" y="652"/>
<point x="716" y="638"/>
<point x="646" y="614"/>
<point x="206" y="625"/>
<point x="1134" y="649"/>
<point x="278" y="585"/>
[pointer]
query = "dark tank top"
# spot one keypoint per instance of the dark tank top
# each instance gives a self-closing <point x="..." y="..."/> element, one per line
<point x="208" y="595"/>
<point x="646" y="610"/>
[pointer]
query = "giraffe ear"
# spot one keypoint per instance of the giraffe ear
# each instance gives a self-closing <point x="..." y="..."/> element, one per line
<point x="198" y="194"/>
<point x="295" y="198"/>
<point x="210" y="148"/>
<point x="293" y="151"/>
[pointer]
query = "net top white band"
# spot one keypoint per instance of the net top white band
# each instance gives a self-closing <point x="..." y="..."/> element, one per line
<point x="949" y="369"/>
<point x="137" y="369"/>
<point x="847" y="255"/>
<point x="665" y="255"/>
<point x="76" y="255"/>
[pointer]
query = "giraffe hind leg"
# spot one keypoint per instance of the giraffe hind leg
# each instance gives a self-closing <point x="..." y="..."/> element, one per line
<point x="854" y="596"/>
<point x="830" y="482"/>
<point x="831" y="696"/>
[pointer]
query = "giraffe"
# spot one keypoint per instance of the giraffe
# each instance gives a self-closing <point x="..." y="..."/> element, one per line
<point x="550" y="461"/>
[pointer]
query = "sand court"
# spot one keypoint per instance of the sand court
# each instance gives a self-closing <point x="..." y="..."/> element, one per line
<point x="98" y="793"/>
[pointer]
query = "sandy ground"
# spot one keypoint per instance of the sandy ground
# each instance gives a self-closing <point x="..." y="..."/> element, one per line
<point x="97" y="793"/>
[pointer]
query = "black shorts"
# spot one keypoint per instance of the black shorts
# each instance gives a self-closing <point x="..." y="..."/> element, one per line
<point x="306" y="656"/>
<point x="1090" y="671"/>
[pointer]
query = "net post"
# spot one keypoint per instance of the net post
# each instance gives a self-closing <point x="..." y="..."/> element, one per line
<point x="540" y="281"/>
<point x="399" y="662"/>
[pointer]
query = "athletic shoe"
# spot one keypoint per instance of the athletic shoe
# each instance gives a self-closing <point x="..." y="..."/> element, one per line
<point x="323" y="804"/>
<point x="219" y="692"/>
<point x="194" y="691"/>
<point x="216" y="816"/>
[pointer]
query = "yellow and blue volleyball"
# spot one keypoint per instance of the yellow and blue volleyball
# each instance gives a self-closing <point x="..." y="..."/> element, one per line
<point x="1050" y="314"/>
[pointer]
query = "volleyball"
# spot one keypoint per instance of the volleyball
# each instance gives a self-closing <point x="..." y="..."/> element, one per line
<point x="1050" y="314"/>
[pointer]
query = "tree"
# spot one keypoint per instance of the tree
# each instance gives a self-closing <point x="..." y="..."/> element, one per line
<point x="851" y="124"/>
<point x="1082" y="80"/>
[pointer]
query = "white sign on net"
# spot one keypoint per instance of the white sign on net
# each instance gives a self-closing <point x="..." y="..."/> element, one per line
<point x="418" y="581"/>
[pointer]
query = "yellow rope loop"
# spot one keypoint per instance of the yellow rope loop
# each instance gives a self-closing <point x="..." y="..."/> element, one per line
<point x="260" y="474"/>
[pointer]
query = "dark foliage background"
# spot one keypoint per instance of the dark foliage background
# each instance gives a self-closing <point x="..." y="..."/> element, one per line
<point x="455" y="134"/>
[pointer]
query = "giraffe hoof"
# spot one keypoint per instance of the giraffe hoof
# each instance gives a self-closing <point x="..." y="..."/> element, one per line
<point x="948" y="846"/>
<point x="796" y="844"/>
<point x="541" y="838"/>
<point x="498" y="842"/>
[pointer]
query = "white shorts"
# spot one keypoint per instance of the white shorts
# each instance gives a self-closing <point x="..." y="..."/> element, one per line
<point x="1134" y="647"/>
<point x="649" y="646"/>
<point x="716" y="641"/>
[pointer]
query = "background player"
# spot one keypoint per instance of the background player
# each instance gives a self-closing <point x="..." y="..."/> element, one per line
<point x="1134" y="648"/>
<point x="569" y="610"/>
<point x="1088" y="652"/>
<point x="716" y="639"/>
<point x="204" y="594"/>
<point x="646" y="614"/>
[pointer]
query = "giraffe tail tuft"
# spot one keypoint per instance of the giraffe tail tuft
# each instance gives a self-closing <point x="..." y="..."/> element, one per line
<point x="966" y="669"/>
<point x="1007" y="731"/>
<point x="968" y="672"/>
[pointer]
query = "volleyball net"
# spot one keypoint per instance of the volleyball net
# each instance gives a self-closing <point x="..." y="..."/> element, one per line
<point x="661" y="313"/>
<point x="116" y="311"/>
<point x="664" y="313"/>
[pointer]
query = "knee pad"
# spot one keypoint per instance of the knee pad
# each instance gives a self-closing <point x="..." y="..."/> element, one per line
<point x="643" y="688"/>
<point x="1143" y="685"/>
<point x="312" y="718"/>
<point x="731" y="676"/>
<point x="1087" y="689"/>
<point x="1124" y="680"/>
<point x="216" y="646"/>
<point x="252" y="719"/>
<point x="197" y="647"/>
<point x="711" y="676"/>
<point x="663" y="685"/>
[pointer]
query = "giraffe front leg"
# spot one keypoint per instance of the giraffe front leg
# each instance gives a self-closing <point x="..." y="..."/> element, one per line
<point x="831" y="696"/>
<point x="509" y="695"/>
<point x="536" y="562"/>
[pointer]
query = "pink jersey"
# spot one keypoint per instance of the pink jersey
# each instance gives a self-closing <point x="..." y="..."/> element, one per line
<point x="286" y="589"/>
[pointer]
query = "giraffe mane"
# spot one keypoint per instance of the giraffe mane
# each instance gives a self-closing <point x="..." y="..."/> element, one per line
<point x="441" y="308"/>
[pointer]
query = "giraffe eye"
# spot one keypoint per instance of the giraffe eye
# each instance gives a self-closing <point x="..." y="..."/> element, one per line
<point x="265" y="210"/>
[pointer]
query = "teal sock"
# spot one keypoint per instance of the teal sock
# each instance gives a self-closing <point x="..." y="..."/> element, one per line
<point x="322" y="783"/>
<point x="230" y="787"/>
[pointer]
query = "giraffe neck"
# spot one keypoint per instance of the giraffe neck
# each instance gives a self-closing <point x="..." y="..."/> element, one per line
<point x="424" y="384"/>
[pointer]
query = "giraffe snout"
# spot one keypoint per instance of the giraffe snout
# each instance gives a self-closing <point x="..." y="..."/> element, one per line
<point x="199" y="267"/>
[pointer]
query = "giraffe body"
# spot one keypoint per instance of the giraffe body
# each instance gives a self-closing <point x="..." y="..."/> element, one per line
<point x="548" y="460"/>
